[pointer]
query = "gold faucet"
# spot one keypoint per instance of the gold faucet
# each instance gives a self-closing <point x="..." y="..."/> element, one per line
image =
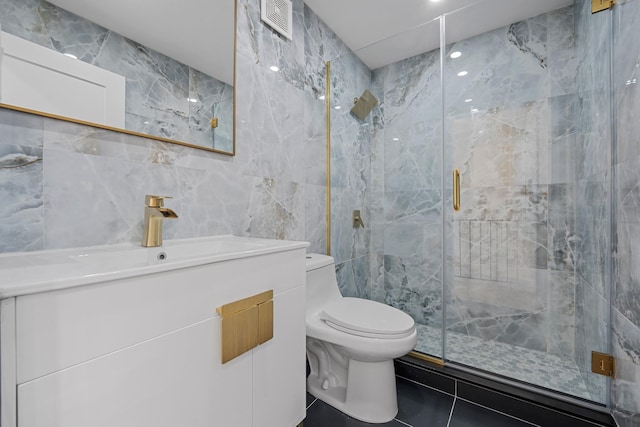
<point x="154" y="213"/>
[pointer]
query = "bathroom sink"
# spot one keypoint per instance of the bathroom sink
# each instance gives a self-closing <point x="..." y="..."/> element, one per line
<point x="131" y="255"/>
<point x="29" y="272"/>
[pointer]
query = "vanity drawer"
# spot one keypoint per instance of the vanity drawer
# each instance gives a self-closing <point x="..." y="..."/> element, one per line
<point x="60" y="329"/>
<point x="173" y="380"/>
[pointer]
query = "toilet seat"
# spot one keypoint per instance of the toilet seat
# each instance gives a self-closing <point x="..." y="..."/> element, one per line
<point x="367" y="318"/>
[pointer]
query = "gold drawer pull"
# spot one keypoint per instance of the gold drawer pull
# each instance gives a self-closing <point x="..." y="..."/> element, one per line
<point x="246" y="324"/>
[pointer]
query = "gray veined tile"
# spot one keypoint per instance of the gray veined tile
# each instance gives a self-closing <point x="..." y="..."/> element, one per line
<point x="52" y="27"/>
<point x="627" y="271"/>
<point x="277" y="210"/>
<point x="625" y="389"/>
<point x="315" y="218"/>
<point x="22" y="212"/>
<point x="352" y="277"/>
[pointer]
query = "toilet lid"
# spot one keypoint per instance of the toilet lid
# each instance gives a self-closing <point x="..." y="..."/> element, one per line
<point x="367" y="318"/>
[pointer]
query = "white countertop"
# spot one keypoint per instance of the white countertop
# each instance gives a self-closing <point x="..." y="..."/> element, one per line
<point x="30" y="272"/>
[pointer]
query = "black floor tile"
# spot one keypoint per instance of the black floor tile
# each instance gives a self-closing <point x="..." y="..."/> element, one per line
<point x="422" y="406"/>
<point x="425" y="376"/>
<point x="322" y="415"/>
<point x="466" y="414"/>
<point x="518" y="408"/>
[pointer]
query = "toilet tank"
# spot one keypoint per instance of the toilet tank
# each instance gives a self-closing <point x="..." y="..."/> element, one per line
<point x="322" y="286"/>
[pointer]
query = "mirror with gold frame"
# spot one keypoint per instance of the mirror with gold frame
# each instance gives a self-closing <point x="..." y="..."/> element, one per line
<point x="173" y="65"/>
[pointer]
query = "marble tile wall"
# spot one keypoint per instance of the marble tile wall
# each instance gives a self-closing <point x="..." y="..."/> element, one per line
<point x="68" y="185"/>
<point x="158" y="88"/>
<point x="407" y="165"/>
<point x="351" y="150"/>
<point x="625" y="328"/>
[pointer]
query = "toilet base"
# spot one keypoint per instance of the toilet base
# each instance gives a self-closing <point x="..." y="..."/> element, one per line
<point x="370" y="395"/>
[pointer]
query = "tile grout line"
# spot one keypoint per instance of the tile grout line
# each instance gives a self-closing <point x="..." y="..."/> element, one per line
<point x="310" y="404"/>
<point x="453" y="405"/>
<point x="402" y="422"/>
<point x="497" y="412"/>
<point x="426" y="386"/>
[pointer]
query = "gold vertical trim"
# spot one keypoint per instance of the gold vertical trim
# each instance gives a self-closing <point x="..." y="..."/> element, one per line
<point x="600" y="5"/>
<point x="456" y="189"/>
<point x="327" y="103"/>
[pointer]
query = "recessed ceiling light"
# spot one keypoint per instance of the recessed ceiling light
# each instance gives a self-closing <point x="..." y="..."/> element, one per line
<point x="274" y="68"/>
<point x="192" y="100"/>
<point x="468" y="100"/>
<point x="474" y="110"/>
<point x="337" y="107"/>
<point x="321" y="97"/>
<point x="396" y="139"/>
<point x="455" y="54"/>
<point x="462" y="73"/>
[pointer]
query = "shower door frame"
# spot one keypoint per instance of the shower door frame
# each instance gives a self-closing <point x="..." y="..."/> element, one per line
<point x="448" y="202"/>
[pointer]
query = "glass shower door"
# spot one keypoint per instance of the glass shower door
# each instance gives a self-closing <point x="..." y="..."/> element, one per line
<point x="527" y="285"/>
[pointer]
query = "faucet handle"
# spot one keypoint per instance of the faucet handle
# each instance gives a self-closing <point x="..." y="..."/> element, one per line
<point x="155" y="201"/>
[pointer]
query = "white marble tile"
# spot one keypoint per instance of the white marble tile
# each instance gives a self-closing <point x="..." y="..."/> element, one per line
<point x="20" y="129"/>
<point x="348" y="242"/>
<point x="350" y="153"/>
<point x="315" y="141"/>
<point x="262" y="46"/>
<point x="270" y="124"/>
<point x="316" y="218"/>
<point x="626" y="386"/>
<point x="353" y="277"/>
<point x="276" y="210"/>
<point x="50" y="26"/>
<point x="21" y="212"/>
<point x="214" y="99"/>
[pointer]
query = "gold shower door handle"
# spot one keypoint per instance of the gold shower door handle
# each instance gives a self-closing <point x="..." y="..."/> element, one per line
<point x="456" y="190"/>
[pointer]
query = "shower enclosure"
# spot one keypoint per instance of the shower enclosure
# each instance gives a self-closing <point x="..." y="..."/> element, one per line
<point x="514" y="283"/>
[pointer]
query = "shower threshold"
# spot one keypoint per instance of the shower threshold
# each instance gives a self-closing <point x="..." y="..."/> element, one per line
<point x="530" y="366"/>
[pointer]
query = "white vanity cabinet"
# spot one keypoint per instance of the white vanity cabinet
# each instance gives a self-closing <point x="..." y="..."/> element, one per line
<point x="146" y="350"/>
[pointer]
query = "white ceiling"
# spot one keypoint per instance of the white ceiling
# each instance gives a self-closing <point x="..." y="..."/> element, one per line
<point x="385" y="31"/>
<point x="200" y="32"/>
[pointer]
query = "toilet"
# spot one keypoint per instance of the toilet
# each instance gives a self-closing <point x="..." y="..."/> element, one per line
<point x="351" y="344"/>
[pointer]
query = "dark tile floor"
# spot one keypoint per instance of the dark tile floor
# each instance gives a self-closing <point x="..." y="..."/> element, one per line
<point x="418" y="406"/>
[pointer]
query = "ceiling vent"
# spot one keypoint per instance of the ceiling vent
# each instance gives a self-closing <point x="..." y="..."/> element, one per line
<point x="278" y="15"/>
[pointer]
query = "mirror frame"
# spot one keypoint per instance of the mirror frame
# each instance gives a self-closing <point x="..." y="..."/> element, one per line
<point x="146" y="135"/>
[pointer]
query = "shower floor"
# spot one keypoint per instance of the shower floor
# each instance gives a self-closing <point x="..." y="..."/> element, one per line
<point x="531" y="366"/>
